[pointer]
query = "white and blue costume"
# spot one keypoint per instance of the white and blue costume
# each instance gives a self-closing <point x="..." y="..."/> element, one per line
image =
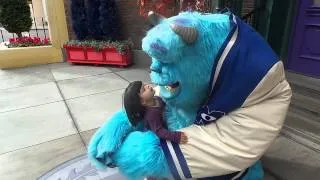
<point x="248" y="93"/>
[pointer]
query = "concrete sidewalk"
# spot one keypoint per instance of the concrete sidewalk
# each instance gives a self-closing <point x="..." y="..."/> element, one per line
<point x="48" y="113"/>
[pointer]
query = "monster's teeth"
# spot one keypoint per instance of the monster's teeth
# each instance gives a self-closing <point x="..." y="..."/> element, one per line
<point x="169" y="88"/>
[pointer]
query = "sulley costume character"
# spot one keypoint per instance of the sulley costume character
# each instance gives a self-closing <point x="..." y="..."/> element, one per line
<point x="223" y="86"/>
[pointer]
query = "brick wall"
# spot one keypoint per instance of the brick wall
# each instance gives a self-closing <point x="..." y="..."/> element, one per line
<point x="132" y="25"/>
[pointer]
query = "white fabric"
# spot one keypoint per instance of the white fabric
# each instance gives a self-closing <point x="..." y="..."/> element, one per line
<point x="240" y="138"/>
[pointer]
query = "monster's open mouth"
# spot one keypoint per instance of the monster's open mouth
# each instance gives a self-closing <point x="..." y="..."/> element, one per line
<point x="172" y="87"/>
<point x="170" y="91"/>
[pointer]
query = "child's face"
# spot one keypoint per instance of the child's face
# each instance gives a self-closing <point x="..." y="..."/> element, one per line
<point x="146" y="92"/>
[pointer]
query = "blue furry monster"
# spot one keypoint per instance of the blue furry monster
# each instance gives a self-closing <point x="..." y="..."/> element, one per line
<point x="186" y="51"/>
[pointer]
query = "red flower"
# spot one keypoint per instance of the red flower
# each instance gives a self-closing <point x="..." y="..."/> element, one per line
<point x="19" y="40"/>
<point x="12" y="40"/>
<point x="24" y="39"/>
<point x="36" y="40"/>
<point x="46" y="41"/>
<point x="29" y="39"/>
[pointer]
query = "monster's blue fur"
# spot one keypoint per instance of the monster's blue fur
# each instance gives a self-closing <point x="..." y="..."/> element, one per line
<point x="109" y="138"/>
<point x="255" y="172"/>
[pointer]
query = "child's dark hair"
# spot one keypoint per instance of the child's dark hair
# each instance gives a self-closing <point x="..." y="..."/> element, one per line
<point x="132" y="103"/>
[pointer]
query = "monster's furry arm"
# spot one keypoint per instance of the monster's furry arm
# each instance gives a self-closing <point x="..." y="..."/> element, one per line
<point x="108" y="139"/>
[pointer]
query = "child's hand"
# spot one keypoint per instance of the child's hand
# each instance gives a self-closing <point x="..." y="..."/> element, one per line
<point x="184" y="138"/>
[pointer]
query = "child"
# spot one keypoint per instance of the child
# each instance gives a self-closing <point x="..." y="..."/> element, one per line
<point x="141" y="104"/>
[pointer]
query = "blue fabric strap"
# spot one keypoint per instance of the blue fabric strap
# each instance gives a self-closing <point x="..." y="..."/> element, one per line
<point x="177" y="163"/>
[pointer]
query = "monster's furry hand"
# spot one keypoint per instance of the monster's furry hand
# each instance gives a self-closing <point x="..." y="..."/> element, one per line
<point x="108" y="139"/>
<point x="141" y="155"/>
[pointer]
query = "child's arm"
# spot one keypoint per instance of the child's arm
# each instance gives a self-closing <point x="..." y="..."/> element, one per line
<point x="154" y="120"/>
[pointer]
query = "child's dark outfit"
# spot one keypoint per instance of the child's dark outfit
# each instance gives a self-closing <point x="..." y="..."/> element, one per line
<point x="153" y="120"/>
<point x="152" y="116"/>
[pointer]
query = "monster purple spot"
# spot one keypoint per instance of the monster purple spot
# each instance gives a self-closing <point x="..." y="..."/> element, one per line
<point x="182" y="21"/>
<point x="158" y="47"/>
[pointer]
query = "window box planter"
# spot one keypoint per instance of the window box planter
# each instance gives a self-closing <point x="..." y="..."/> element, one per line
<point x="75" y="53"/>
<point x="112" y="56"/>
<point x="93" y="55"/>
<point x="105" y="55"/>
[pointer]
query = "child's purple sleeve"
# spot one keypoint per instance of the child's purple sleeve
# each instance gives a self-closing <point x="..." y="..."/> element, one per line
<point x="153" y="117"/>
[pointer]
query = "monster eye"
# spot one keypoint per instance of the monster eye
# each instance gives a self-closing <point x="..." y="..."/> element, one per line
<point x="206" y="117"/>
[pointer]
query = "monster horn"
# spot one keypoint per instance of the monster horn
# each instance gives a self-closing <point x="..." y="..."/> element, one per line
<point x="188" y="34"/>
<point x="155" y="18"/>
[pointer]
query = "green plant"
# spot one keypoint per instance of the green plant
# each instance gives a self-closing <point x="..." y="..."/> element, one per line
<point x="15" y="16"/>
<point x="79" y="19"/>
<point x="122" y="46"/>
<point x="93" y="19"/>
<point x="109" y="19"/>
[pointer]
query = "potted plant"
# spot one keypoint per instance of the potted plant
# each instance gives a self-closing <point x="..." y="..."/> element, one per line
<point x="99" y="52"/>
<point x="119" y="52"/>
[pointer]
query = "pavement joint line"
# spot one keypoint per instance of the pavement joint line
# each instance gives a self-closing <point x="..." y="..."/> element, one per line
<point x="30" y="106"/>
<point x="21" y="86"/>
<point x="26" y="147"/>
<point x="63" y="98"/>
<point x="122" y="77"/>
<point x="75" y="124"/>
<point x="89" y="75"/>
<point x="97" y="93"/>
